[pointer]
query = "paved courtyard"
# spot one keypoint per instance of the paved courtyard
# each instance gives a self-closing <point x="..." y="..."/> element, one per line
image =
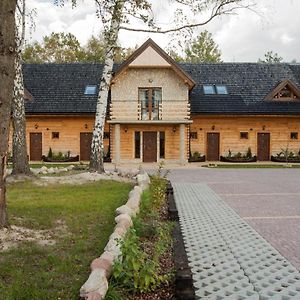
<point x="267" y="199"/>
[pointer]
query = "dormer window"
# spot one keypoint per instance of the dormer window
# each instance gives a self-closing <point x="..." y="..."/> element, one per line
<point x="212" y="89"/>
<point x="285" y="91"/>
<point x="90" y="90"/>
<point x="208" y="89"/>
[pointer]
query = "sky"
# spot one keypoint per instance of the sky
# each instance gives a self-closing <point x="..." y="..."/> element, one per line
<point x="244" y="37"/>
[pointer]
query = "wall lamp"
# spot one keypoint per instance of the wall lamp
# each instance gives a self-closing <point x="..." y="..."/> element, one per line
<point x="174" y="129"/>
<point x="213" y="127"/>
<point x="125" y="129"/>
<point x="86" y="126"/>
<point x="264" y="127"/>
<point x="36" y="126"/>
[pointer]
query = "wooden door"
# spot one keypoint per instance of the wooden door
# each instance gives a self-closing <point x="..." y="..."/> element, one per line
<point x="149" y="146"/>
<point x="35" y="146"/>
<point x="85" y="145"/>
<point x="263" y="146"/>
<point x="213" y="146"/>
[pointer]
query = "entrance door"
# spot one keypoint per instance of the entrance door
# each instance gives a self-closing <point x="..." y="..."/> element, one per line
<point x="213" y="146"/>
<point x="35" y="146"/>
<point x="263" y="146"/>
<point x="149" y="146"/>
<point x="85" y="145"/>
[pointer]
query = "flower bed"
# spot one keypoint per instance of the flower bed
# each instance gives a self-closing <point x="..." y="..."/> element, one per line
<point x="238" y="159"/>
<point x="60" y="160"/>
<point x="282" y="159"/>
<point x="197" y="159"/>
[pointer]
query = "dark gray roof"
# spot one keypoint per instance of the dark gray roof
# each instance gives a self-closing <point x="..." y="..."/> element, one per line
<point x="59" y="88"/>
<point x="247" y="84"/>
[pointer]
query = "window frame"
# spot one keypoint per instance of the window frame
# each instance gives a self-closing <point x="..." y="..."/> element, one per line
<point x="221" y="86"/>
<point x="55" y="135"/>
<point x="150" y="102"/>
<point x="295" y="134"/>
<point x="94" y="92"/>
<point x="246" y="135"/>
<point x="194" y="135"/>
<point x="162" y="144"/>
<point x="137" y="144"/>
<point x="209" y="85"/>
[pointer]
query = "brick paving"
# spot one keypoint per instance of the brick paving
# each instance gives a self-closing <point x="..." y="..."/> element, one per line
<point x="267" y="199"/>
<point x="229" y="260"/>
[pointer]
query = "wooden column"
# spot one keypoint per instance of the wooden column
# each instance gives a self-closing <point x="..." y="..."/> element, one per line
<point x="182" y="144"/>
<point x="117" y="144"/>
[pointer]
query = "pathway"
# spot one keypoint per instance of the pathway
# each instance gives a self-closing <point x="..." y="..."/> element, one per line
<point x="229" y="259"/>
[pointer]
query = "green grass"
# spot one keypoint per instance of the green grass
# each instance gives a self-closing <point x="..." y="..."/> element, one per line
<point x="57" y="272"/>
<point x="253" y="166"/>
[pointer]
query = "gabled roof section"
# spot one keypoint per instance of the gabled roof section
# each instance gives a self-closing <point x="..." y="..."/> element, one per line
<point x="284" y="91"/>
<point x="150" y="55"/>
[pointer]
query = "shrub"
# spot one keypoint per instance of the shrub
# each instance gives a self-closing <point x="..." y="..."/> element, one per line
<point x="50" y="154"/>
<point x="249" y="153"/>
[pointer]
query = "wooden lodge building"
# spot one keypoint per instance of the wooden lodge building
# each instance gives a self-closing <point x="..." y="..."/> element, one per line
<point x="162" y="110"/>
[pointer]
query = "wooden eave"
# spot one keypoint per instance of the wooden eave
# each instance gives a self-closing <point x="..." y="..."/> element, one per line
<point x="150" y="43"/>
<point x="279" y="87"/>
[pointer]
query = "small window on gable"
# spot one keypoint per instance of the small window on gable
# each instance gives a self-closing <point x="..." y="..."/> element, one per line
<point x="221" y="89"/>
<point x="244" y="135"/>
<point x="294" y="135"/>
<point x="208" y="89"/>
<point x="193" y="135"/>
<point x="90" y="90"/>
<point x="55" y="135"/>
<point x="285" y="93"/>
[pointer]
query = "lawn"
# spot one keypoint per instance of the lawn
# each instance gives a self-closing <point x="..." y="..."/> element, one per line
<point x="58" y="271"/>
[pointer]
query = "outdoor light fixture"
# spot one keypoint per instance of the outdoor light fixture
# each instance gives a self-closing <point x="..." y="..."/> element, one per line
<point x="174" y="129"/>
<point x="150" y="80"/>
<point x="36" y="126"/>
<point x="264" y="127"/>
<point x="213" y="127"/>
<point x="126" y="129"/>
<point x="86" y="126"/>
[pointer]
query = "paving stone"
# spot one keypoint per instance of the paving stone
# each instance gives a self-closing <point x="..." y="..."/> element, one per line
<point x="228" y="258"/>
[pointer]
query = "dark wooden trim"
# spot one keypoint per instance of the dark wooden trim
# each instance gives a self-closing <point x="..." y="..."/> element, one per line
<point x="279" y="87"/>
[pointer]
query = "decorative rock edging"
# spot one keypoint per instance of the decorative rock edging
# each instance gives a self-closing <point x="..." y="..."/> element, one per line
<point x="96" y="286"/>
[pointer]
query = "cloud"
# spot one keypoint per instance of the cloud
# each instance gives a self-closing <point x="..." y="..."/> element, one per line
<point x="242" y="37"/>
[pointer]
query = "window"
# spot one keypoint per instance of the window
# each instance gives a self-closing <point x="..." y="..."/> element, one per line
<point x="55" y="135"/>
<point x="244" y="135"/>
<point x="106" y="135"/>
<point x="193" y="135"/>
<point x="150" y="99"/>
<point x="162" y="144"/>
<point x="294" y="135"/>
<point x="137" y="144"/>
<point x="221" y="90"/>
<point x="90" y="90"/>
<point x="208" y="90"/>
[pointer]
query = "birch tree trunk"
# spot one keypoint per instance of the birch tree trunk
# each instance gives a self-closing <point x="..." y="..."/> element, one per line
<point x="7" y="75"/>
<point x="19" y="148"/>
<point x="96" y="160"/>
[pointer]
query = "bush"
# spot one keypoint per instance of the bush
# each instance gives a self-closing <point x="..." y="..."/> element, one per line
<point x="50" y="154"/>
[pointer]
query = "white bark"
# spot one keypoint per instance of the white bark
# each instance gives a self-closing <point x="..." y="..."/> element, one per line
<point x="96" y="160"/>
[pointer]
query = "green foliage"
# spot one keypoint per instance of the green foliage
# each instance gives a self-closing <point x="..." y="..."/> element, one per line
<point x="64" y="47"/>
<point x="271" y="57"/>
<point x="203" y="49"/>
<point x="138" y="269"/>
<point x="249" y="153"/>
<point x="229" y="153"/>
<point x="196" y="154"/>
<point x="50" y="154"/>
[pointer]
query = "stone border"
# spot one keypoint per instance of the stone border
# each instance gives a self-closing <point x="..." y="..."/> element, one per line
<point x="96" y="286"/>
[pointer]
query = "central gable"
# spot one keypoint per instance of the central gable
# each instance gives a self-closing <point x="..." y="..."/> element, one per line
<point x="150" y="55"/>
<point x="149" y="58"/>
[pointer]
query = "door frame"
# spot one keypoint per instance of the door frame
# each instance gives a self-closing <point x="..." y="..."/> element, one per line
<point x="40" y="133"/>
<point x="154" y="147"/>
<point x="219" y="144"/>
<point x="257" y="145"/>
<point x="81" y="133"/>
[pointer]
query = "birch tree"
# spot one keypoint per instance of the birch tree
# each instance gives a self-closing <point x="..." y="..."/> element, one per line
<point x="19" y="147"/>
<point x="117" y="15"/>
<point x="7" y="75"/>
